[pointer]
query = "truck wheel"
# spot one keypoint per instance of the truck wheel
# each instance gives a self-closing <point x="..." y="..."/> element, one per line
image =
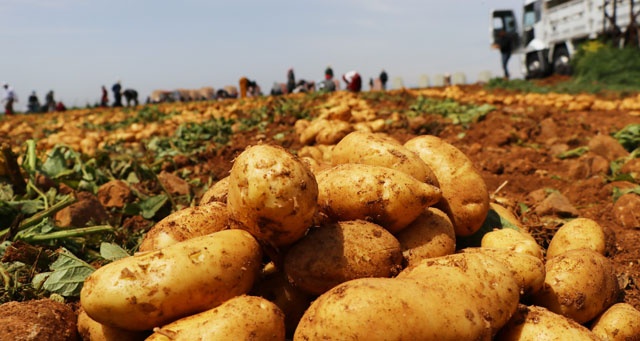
<point x="561" y="62"/>
<point x="536" y="66"/>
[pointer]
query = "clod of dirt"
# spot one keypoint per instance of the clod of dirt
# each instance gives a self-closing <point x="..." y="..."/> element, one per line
<point x="173" y="183"/>
<point x="556" y="204"/>
<point x="627" y="210"/>
<point x="632" y="167"/>
<point x="607" y="147"/>
<point x="43" y="319"/>
<point x="87" y="209"/>
<point x="115" y="193"/>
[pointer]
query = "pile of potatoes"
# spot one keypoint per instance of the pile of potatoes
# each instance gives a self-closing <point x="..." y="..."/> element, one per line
<point x="355" y="241"/>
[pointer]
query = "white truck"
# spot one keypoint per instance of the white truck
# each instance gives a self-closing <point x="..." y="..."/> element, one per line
<point x="552" y="30"/>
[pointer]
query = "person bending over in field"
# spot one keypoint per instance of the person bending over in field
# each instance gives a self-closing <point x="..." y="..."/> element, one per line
<point x="353" y="80"/>
<point x="131" y="95"/>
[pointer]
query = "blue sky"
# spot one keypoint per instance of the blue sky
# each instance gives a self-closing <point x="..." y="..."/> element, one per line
<point x="75" y="46"/>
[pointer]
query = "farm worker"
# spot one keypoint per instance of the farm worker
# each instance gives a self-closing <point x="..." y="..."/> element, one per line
<point x="291" y="81"/>
<point x="131" y="96"/>
<point x="244" y="81"/>
<point x="33" y="103"/>
<point x="104" y="100"/>
<point x="328" y="73"/>
<point x="504" y="44"/>
<point x="383" y="79"/>
<point x="253" y="89"/>
<point x="49" y="102"/>
<point x="60" y="107"/>
<point x="353" y="80"/>
<point x="9" y="97"/>
<point x="117" y="94"/>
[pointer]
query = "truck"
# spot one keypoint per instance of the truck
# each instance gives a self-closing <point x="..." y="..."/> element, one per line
<point x="552" y="30"/>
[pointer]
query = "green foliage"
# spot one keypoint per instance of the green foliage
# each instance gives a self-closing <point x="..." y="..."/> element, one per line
<point x="629" y="137"/>
<point x="607" y="65"/>
<point x="448" y="108"/>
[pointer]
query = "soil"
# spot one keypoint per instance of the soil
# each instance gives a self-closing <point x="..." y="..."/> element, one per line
<point x="515" y="148"/>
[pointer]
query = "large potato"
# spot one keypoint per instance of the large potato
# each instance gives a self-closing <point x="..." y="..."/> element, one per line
<point x="430" y="235"/>
<point x="579" y="284"/>
<point x="217" y="192"/>
<point x="185" y="224"/>
<point x="385" y="196"/>
<point x="154" y="288"/>
<point x="531" y="323"/>
<point x="381" y="150"/>
<point x="91" y="330"/>
<point x="527" y="270"/>
<point x="272" y="194"/>
<point x="577" y="234"/>
<point x="396" y="309"/>
<point x="490" y="283"/>
<point x="621" y="322"/>
<point x="240" y="318"/>
<point x="331" y="254"/>
<point x="510" y="239"/>
<point x="465" y="197"/>
<point x="290" y="299"/>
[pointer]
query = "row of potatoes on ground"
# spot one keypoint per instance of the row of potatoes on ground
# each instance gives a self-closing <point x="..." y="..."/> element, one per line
<point x="355" y="242"/>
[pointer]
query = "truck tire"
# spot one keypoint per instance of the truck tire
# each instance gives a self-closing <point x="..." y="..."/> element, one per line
<point x="561" y="61"/>
<point x="537" y="65"/>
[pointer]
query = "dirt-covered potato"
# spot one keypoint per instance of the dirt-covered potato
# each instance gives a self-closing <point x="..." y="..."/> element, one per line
<point x="95" y="331"/>
<point x="381" y="150"/>
<point x="217" y="192"/>
<point x="385" y="196"/>
<point x="490" y="283"/>
<point x="272" y="194"/>
<point x="579" y="284"/>
<point x="514" y="240"/>
<point x="331" y="254"/>
<point x="430" y="235"/>
<point x="290" y="299"/>
<point x="465" y="197"/>
<point x="532" y="323"/>
<point x="187" y="223"/>
<point x="577" y="234"/>
<point x="621" y="322"/>
<point x="151" y="289"/>
<point x="240" y="318"/>
<point x="396" y="309"/>
<point x="527" y="270"/>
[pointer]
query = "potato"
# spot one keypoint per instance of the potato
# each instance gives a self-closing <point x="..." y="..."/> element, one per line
<point x="465" y="197"/>
<point x="385" y="196"/>
<point x="291" y="300"/>
<point x="527" y="270"/>
<point x="95" y="331"/>
<point x="185" y="224"/>
<point x="272" y="194"/>
<point x="490" y="282"/>
<point x="620" y="322"/>
<point x="217" y="192"/>
<point x="576" y="234"/>
<point x="151" y="289"/>
<point x="430" y="235"/>
<point x="395" y="309"/>
<point x="532" y="323"/>
<point x="381" y="150"/>
<point x="510" y="239"/>
<point x="331" y="254"/>
<point x="240" y="318"/>
<point x="507" y="215"/>
<point x="579" y="284"/>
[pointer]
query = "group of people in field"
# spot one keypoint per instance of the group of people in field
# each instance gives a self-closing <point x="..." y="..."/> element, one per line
<point x="247" y="88"/>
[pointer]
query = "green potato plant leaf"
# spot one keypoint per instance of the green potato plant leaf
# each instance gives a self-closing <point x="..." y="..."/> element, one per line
<point x="68" y="275"/>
